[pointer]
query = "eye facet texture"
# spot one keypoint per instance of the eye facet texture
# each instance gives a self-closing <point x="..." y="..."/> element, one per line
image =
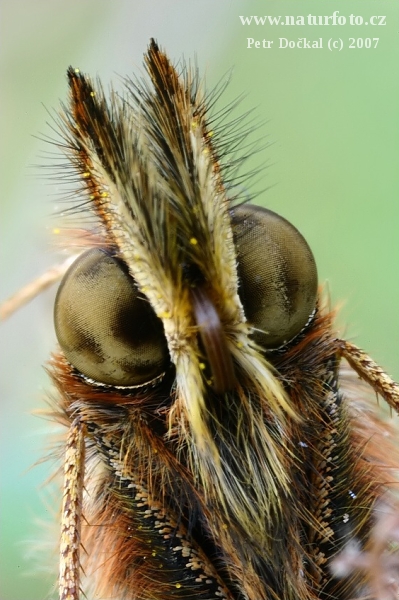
<point x="277" y="273"/>
<point x="109" y="332"/>
<point x="106" y="328"/>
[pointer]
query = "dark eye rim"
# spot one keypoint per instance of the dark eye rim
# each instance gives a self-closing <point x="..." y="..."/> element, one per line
<point x="297" y="338"/>
<point x="125" y="390"/>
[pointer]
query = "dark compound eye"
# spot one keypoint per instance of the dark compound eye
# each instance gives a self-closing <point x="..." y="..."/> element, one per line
<point x="277" y="273"/>
<point x="106" y="328"/>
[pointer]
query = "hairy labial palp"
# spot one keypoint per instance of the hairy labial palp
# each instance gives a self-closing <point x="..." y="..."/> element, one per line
<point x="218" y="446"/>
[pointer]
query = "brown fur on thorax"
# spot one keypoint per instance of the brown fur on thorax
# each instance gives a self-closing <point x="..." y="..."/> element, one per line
<point x="130" y="427"/>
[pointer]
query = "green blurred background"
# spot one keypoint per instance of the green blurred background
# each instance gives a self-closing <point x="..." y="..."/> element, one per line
<point x="332" y="122"/>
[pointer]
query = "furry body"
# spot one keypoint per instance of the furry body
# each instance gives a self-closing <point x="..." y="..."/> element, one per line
<point x="237" y="472"/>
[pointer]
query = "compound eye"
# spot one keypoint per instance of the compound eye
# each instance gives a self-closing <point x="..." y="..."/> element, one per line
<point x="106" y="328"/>
<point x="277" y="273"/>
